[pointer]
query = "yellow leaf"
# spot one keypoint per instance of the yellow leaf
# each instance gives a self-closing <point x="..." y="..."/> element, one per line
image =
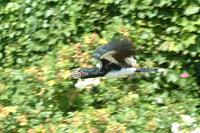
<point x="2" y="87"/>
<point x="45" y="69"/>
<point x="5" y="111"/>
<point x="87" y="39"/>
<point x="40" y="129"/>
<point x="103" y="41"/>
<point x="51" y="82"/>
<point x="65" y="74"/>
<point x="22" y="119"/>
<point x="11" y="109"/>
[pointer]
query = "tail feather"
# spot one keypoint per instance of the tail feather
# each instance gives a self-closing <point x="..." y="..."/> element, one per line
<point x="150" y="70"/>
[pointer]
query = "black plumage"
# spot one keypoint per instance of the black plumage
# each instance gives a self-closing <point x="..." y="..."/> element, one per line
<point x="119" y="50"/>
<point x="117" y="60"/>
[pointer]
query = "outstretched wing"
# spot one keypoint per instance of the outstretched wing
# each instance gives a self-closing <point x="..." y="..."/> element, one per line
<point x="116" y="54"/>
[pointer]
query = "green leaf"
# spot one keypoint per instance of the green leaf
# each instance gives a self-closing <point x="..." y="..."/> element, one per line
<point x="12" y="6"/>
<point x="190" y="40"/>
<point x="27" y="10"/>
<point x="49" y="13"/>
<point x="172" y="77"/>
<point x="192" y="10"/>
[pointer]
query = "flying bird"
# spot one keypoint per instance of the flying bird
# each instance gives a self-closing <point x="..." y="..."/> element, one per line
<point x="117" y="60"/>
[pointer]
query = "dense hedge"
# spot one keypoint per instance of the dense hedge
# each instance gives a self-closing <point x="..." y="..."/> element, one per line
<point x="41" y="40"/>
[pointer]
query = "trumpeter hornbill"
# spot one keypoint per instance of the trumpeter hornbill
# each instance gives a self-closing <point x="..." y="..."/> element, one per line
<point x="117" y="60"/>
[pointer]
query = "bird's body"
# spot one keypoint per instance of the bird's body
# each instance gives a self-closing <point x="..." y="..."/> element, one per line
<point x="117" y="61"/>
<point x="123" y="73"/>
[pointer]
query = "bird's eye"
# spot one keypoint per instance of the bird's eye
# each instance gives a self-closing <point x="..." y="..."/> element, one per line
<point x="82" y="73"/>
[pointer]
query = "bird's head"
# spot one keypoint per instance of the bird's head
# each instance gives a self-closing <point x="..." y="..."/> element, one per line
<point x="79" y="73"/>
<point x="87" y="73"/>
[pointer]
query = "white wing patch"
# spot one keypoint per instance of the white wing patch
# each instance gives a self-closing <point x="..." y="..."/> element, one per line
<point x="83" y="83"/>
<point x="130" y="61"/>
<point x="108" y="56"/>
<point x="124" y="72"/>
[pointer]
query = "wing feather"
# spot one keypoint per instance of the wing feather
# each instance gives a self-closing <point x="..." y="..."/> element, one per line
<point x="116" y="52"/>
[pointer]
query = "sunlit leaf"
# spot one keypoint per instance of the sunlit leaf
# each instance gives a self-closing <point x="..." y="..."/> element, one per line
<point x="192" y="10"/>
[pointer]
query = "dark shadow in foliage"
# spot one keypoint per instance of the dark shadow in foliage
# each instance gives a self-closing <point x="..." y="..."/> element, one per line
<point x="197" y="72"/>
<point x="67" y="100"/>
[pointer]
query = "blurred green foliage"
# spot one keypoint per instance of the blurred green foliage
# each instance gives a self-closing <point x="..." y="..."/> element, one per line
<point x="40" y="41"/>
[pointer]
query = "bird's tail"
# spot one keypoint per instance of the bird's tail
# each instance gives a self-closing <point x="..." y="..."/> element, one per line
<point x="150" y="69"/>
